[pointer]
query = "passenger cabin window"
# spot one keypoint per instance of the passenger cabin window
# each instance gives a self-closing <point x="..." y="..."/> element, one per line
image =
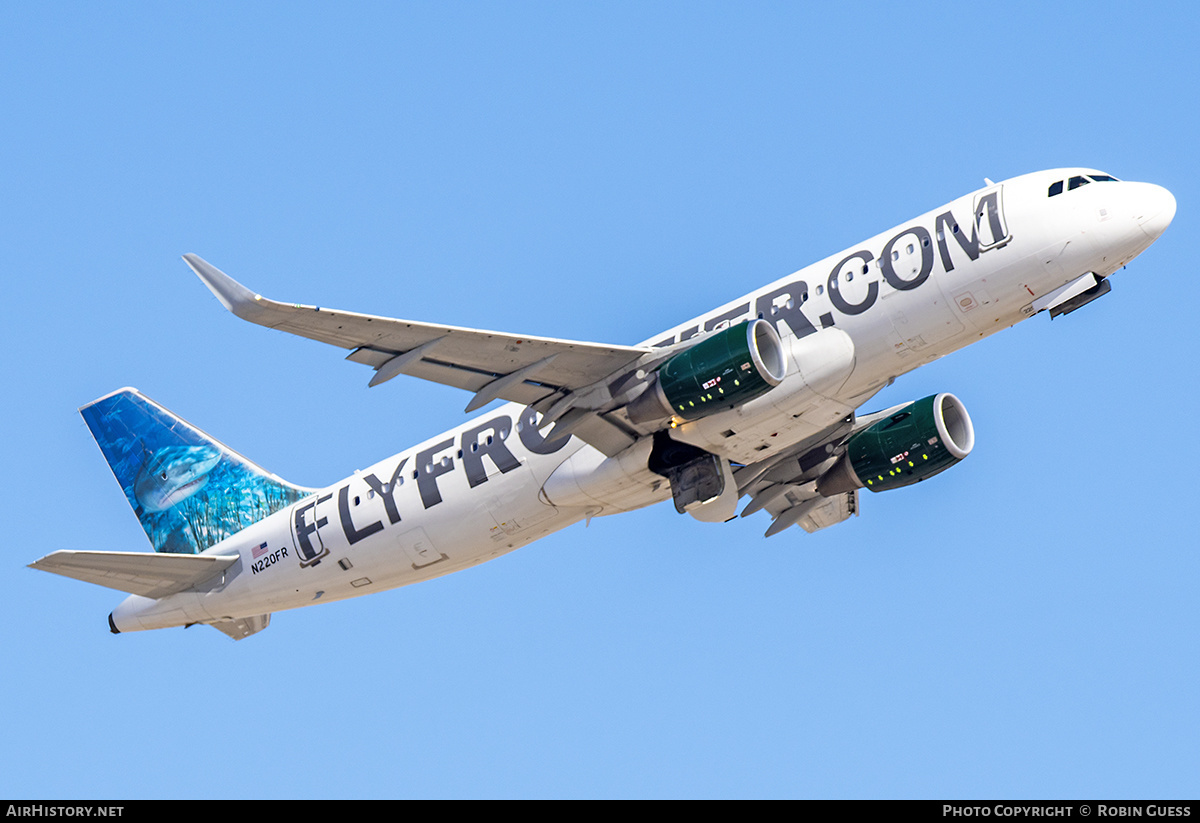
<point x="1056" y="188"/>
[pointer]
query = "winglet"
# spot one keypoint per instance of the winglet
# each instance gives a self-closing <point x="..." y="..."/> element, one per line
<point x="232" y="294"/>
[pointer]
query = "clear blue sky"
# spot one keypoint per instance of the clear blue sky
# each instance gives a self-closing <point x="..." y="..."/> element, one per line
<point x="1023" y="626"/>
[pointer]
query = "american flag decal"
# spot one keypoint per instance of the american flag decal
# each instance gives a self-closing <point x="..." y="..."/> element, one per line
<point x="259" y="552"/>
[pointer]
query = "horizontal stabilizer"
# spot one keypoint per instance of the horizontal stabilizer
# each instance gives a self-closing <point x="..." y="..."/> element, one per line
<point x="150" y="575"/>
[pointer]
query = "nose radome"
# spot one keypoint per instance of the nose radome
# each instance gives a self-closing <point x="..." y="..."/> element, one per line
<point x="1157" y="210"/>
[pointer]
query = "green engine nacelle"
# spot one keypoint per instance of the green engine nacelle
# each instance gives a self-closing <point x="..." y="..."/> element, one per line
<point x="918" y="441"/>
<point x="723" y="370"/>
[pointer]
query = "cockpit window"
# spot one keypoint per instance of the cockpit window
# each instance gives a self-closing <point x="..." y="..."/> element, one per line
<point x="1080" y="180"/>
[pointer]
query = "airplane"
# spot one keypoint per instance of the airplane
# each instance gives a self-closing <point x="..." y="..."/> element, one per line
<point x="758" y="398"/>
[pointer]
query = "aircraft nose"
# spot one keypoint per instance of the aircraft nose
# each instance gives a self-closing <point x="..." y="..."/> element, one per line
<point x="1157" y="210"/>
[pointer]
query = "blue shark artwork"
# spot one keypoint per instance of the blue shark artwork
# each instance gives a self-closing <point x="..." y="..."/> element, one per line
<point x="189" y="491"/>
<point x="173" y="474"/>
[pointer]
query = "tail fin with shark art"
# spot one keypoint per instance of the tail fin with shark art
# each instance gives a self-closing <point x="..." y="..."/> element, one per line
<point x="189" y="492"/>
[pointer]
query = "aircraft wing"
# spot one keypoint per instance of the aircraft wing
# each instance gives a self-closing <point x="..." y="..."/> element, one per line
<point x="144" y="573"/>
<point x="491" y="364"/>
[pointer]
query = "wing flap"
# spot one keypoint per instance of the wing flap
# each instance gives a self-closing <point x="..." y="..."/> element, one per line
<point x="150" y="575"/>
<point x="831" y="511"/>
<point x="810" y="511"/>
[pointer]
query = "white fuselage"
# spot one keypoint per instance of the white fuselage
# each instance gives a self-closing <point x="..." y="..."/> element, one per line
<point x="905" y="297"/>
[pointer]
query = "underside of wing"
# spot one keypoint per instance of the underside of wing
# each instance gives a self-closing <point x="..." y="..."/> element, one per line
<point x="150" y="575"/>
<point x="490" y="364"/>
<point x="812" y="514"/>
<point x="787" y="488"/>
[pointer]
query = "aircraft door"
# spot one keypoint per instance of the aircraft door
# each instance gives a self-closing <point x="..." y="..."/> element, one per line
<point x="991" y="229"/>
<point x="307" y="518"/>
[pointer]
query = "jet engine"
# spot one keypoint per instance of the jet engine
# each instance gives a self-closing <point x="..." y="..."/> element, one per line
<point x="723" y="370"/>
<point x="907" y="446"/>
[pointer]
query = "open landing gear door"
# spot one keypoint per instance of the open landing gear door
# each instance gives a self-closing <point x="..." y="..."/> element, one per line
<point x="702" y="483"/>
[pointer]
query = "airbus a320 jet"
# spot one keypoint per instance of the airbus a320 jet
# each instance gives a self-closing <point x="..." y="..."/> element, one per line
<point x="757" y="399"/>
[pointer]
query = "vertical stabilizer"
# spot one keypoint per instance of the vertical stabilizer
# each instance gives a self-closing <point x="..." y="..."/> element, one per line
<point x="189" y="491"/>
